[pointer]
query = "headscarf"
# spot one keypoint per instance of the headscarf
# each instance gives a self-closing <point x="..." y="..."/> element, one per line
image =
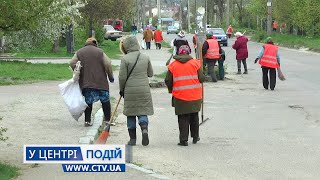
<point x="181" y="34"/>
<point x="184" y="49"/>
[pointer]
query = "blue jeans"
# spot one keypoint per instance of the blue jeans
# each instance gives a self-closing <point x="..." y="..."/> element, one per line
<point x="131" y="121"/>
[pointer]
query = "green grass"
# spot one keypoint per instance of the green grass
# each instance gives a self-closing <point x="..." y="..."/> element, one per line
<point x="162" y="75"/>
<point x="111" y="48"/>
<point x="291" y="41"/>
<point x="165" y="44"/>
<point x="19" y="72"/>
<point x="8" y="172"/>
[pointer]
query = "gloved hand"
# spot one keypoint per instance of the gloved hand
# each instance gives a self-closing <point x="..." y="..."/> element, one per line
<point x="121" y="93"/>
<point x="255" y="61"/>
<point x="111" y="80"/>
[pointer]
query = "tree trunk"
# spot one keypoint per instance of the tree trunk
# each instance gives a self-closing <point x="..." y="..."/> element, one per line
<point x="55" y="46"/>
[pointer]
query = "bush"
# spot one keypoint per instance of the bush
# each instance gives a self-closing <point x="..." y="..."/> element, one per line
<point x="99" y="34"/>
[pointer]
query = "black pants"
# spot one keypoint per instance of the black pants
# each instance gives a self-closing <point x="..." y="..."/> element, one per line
<point x="148" y="44"/>
<point x="158" y="45"/>
<point x="106" y="107"/>
<point x="272" y="75"/>
<point x="244" y="62"/>
<point x="210" y="65"/>
<point x="188" y="120"/>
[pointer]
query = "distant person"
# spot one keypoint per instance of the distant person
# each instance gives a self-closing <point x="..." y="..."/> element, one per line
<point x="229" y="31"/>
<point x="241" y="48"/>
<point x="211" y="51"/>
<point x="148" y="37"/>
<point x="194" y="41"/>
<point x="183" y="79"/>
<point x="135" y="88"/>
<point x="275" y="26"/>
<point x="158" y="38"/>
<point x="134" y="29"/>
<point x="95" y="72"/>
<point x="180" y="40"/>
<point x="282" y="28"/>
<point x="269" y="61"/>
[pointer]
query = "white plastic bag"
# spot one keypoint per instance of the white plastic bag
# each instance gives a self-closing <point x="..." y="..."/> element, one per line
<point x="143" y="44"/>
<point x="71" y="93"/>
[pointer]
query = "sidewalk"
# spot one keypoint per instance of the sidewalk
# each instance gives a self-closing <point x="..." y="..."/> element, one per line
<point x="36" y="114"/>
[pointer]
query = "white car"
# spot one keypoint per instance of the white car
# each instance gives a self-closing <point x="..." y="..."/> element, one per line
<point x="111" y="33"/>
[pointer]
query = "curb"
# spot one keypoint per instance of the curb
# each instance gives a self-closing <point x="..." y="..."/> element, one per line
<point x="92" y="133"/>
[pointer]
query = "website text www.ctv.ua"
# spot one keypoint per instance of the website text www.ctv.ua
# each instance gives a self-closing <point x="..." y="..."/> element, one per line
<point x="93" y="167"/>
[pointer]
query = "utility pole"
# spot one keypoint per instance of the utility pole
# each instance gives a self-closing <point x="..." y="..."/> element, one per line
<point x="180" y="15"/>
<point x="228" y="14"/>
<point x="159" y="12"/>
<point x="189" y="26"/>
<point x="269" y="20"/>
<point x="206" y="15"/>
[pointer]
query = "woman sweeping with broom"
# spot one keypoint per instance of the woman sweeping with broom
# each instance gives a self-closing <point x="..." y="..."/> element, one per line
<point x="269" y="61"/>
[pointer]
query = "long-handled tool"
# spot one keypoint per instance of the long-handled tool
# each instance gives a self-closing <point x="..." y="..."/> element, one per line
<point x="201" y="61"/>
<point x="102" y="139"/>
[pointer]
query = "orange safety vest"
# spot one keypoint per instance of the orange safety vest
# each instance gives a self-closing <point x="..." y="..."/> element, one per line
<point x="186" y="84"/>
<point x="269" y="57"/>
<point x="213" y="51"/>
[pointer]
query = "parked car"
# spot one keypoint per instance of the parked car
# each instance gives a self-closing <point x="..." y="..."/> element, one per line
<point x="111" y="33"/>
<point x="172" y="30"/>
<point x="220" y="35"/>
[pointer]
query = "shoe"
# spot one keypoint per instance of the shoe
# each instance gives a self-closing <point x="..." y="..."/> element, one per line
<point x="239" y="72"/>
<point x="145" y="136"/>
<point x="195" y="140"/>
<point x="87" y="124"/>
<point x="183" y="143"/>
<point x="272" y="89"/>
<point x="245" y="72"/>
<point x="133" y="137"/>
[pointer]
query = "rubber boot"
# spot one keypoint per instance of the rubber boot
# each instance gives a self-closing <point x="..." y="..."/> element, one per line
<point x="145" y="137"/>
<point x="133" y="137"/>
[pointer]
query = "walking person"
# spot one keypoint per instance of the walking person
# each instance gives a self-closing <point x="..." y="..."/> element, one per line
<point x="229" y="31"/>
<point x="148" y="37"/>
<point x="134" y="88"/>
<point x="94" y="74"/>
<point x="183" y="79"/>
<point x="275" y="26"/>
<point x="180" y="40"/>
<point x="134" y="29"/>
<point x="158" y="38"/>
<point x="211" y="51"/>
<point x="269" y="61"/>
<point x="241" y="48"/>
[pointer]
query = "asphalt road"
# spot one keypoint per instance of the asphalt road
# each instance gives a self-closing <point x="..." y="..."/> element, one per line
<point x="251" y="133"/>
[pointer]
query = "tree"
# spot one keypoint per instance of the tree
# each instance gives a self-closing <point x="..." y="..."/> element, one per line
<point x="99" y="10"/>
<point x="16" y="15"/>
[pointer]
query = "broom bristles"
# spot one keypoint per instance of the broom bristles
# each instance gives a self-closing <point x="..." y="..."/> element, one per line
<point x="103" y="137"/>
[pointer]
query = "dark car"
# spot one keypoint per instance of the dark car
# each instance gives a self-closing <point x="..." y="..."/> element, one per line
<point x="220" y="35"/>
<point x="172" y="30"/>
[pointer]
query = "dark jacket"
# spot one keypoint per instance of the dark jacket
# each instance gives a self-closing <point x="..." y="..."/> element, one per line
<point x="181" y="106"/>
<point x="96" y="67"/>
<point x="179" y="41"/>
<point x="241" y="48"/>
<point x="205" y="48"/>
<point x="137" y="94"/>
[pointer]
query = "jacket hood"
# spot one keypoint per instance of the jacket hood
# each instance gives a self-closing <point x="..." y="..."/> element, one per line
<point x="182" y="58"/>
<point x="129" y="44"/>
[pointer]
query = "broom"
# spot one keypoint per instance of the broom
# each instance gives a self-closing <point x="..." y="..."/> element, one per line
<point x="280" y="74"/>
<point x="102" y="139"/>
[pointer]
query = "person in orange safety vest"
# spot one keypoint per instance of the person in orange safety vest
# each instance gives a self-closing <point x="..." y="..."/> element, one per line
<point x="183" y="79"/>
<point x="211" y="51"/>
<point x="269" y="61"/>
